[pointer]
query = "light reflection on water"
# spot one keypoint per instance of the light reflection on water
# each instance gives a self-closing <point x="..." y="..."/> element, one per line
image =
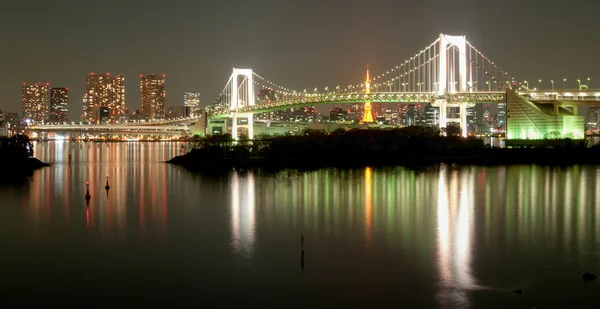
<point x="242" y="215"/>
<point x="454" y="217"/>
<point x="445" y="236"/>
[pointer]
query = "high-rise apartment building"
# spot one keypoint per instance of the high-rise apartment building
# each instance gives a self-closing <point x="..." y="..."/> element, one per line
<point x="153" y="96"/>
<point x="192" y="100"/>
<point x="502" y="115"/>
<point x="174" y="112"/>
<point x="104" y="90"/>
<point x="34" y="98"/>
<point x="432" y="116"/>
<point x="59" y="105"/>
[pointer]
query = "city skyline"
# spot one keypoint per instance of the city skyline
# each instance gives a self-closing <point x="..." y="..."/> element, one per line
<point x="102" y="90"/>
<point x="197" y="55"/>
<point x="275" y="46"/>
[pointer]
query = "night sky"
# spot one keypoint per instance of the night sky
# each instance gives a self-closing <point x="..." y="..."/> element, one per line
<point x="298" y="44"/>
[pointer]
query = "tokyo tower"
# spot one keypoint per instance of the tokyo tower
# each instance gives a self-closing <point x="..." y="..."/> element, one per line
<point x="367" y="116"/>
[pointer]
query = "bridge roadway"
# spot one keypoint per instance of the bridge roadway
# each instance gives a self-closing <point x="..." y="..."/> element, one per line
<point x="187" y="120"/>
<point x="112" y="129"/>
<point x="590" y="96"/>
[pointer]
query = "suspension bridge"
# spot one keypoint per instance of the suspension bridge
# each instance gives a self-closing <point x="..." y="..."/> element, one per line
<point x="448" y="73"/>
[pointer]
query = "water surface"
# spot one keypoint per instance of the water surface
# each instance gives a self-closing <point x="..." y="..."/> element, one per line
<point x="441" y="237"/>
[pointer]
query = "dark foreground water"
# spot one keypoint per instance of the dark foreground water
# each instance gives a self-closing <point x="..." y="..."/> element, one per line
<point x="446" y="237"/>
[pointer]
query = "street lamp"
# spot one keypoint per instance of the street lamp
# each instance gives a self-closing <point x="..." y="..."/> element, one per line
<point x="489" y="86"/>
<point x="552" y="82"/>
<point x="540" y="83"/>
<point x="526" y="84"/>
<point x="589" y="80"/>
<point x="564" y="82"/>
<point x="579" y="84"/>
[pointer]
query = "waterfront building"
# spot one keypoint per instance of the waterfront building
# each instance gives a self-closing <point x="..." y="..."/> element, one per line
<point x="34" y="99"/>
<point x="191" y="100"/>
<point x="59" y="105"/>
<point x="174" y="112"/>
<point x="153" y="96"/>
<point x="104" y="90"/>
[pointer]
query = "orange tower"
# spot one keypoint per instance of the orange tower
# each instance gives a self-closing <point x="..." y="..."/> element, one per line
<point x="367" y="116"/>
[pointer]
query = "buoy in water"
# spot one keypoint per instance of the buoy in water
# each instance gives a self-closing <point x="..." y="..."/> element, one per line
<point x="302" y="251"/>
<point x="87" y="193"/>
<point x="107" y="187"/>
<point x="589" y="277"/>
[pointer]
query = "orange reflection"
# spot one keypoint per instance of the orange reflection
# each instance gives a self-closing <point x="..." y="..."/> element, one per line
<point x="164" y="200"/>
<point x="67" y="193"/>
<point x="53" y="189"/>
<point x="368" y="202"/>
<point x="142" y="215"/>
<point x="87" y="217"/>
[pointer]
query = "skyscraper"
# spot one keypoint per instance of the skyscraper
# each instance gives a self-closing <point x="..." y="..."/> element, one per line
<point x="192" y="100"/>
<point x="153" y="96"/>
<point x="35" y="101"/>
<point x="59" y="104"/>
<point x="432" y="115"/>
<point x="502" y="115"/>
<point x="104" y="90"/>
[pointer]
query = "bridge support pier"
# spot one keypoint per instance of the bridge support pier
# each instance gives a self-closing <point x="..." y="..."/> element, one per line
<point x="250" y="126"/>
<point x="443" y="105"/>
<point x="463" y="118"/>
<point x="235" y="125"/>
<point x="462" y="110"/>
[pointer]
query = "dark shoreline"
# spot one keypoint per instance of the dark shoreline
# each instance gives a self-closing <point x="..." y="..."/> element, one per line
<point x="485" y="157"/>
<point x="414" y="147"/>
<point x="14" y="170"/>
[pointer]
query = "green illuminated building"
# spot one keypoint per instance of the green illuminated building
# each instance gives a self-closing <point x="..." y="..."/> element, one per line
<point x="529" y="123"/>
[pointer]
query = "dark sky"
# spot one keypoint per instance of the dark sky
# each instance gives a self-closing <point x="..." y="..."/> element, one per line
<point x="298" y="44"/>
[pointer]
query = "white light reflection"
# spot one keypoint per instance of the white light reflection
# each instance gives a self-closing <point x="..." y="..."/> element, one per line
<point x="464" y="233"/>
<point x="243" y="215"/>
<point x="455" y="237"/>
<point x="443" y="233"/>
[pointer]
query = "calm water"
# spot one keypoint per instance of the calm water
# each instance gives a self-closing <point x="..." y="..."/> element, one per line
<point x="445" y="237"/>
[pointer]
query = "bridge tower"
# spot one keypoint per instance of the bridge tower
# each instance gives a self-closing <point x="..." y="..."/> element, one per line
<point x="242" y="94"/>
<point x="451" y="82"/>
<point x="367" y="115"/>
